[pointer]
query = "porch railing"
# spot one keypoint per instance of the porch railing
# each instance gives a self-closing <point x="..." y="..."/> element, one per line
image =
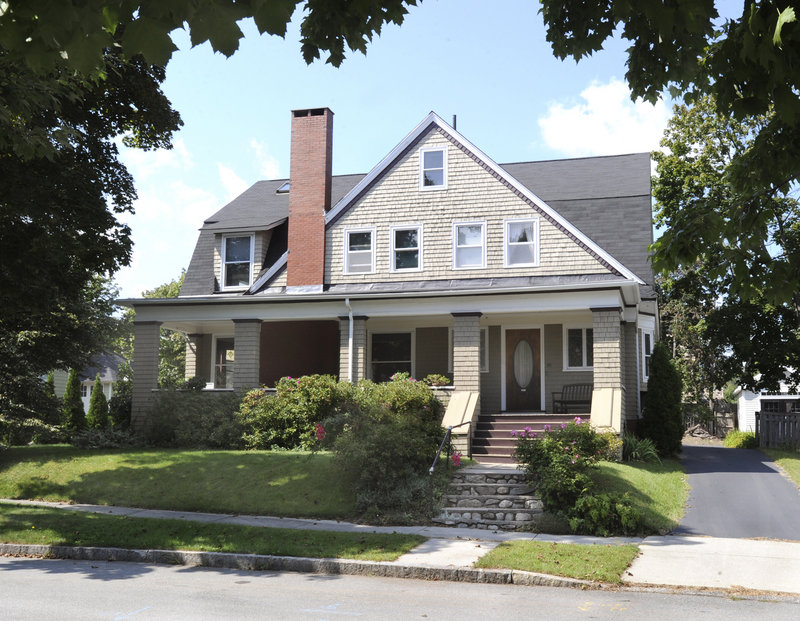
<point x="444" y="444"/>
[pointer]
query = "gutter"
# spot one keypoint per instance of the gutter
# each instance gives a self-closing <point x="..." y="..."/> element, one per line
<point x="349" y="341"/>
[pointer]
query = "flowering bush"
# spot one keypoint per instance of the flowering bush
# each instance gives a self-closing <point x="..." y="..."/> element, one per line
<point x="558" y="461"/>
<point x="456" y="458"/>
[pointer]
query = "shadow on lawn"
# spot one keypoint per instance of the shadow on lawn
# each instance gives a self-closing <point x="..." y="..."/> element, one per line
<point x="263" y="483"/>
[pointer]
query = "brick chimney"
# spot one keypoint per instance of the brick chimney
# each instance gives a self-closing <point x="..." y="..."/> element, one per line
<point x="309" y="197"/>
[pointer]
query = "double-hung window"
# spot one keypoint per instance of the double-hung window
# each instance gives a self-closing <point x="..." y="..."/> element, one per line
<point x="578" y="347"/>
<point x="237" y="261"/>
<point x="433" y="169"/>
<point x="522" y="243"/>
<point x="406" y="248"/>
<point x="469" y="245"/>
<point x="390" y="354"/>
<point x="647" y="352"/>
<point x="359" y="251"/>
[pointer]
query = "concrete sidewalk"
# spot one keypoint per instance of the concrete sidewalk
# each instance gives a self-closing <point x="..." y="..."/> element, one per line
<point x="449" y="553"/>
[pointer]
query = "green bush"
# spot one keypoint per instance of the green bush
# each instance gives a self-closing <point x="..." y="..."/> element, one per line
<point x="119" y="406"/>
<point x="558" y="462"/>
<point x="604" y="515"/>
<point x="288" y="418"/>
<point x="97" y="416"/>
<point x="16" y="432"/>
<point x="191" y="419"/>
<point x="104" y="438"/>
<point x="662" y="418"/>
<point x="639" y="449"/>
<point x="740" y="439"/>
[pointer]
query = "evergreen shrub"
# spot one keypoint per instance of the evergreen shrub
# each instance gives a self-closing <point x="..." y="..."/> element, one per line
<point x="73" y="415"/>
<point x="97" y="416"/>
<point x="662" y="418"/>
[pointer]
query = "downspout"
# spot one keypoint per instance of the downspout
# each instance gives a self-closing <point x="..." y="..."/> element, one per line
<point x="349" y="341"/>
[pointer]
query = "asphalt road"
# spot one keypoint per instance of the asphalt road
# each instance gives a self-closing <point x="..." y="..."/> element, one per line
<point x="738" y="493"/>
<point x="57" y="589"/>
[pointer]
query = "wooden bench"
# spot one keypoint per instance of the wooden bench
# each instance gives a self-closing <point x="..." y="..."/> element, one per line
<point x="577" y="396"/>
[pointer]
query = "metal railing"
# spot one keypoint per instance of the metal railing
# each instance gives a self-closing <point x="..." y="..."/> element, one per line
<point x="444" y="443"/>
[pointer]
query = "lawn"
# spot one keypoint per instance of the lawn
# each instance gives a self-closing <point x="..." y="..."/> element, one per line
<point x="788" y="460"/>
<point x="659" y="491"/>
<point x="45" y="526"/>
<point x="295" y="484"/>
<point x="586" y="562"/>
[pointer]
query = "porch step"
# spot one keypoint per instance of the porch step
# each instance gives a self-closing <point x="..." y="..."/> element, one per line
<point x="492" y="441"/>
<point x="490" y="498"/>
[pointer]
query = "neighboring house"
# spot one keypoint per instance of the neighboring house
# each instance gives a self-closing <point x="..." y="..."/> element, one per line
<point x="749" y="403"/>
<point x="514" y="280"/>
<point x="107" y="365"/>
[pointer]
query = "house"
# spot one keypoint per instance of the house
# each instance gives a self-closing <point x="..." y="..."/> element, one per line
<point x="513" y="280"/>
<point x="106" y="364"/>
<point x="785" y="400"/>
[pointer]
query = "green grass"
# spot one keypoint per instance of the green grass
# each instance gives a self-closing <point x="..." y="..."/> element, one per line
<point x="788" y="460"/>
<point x="44" y="526"/>
<point x="659" y="491"/>
<point x="258" y="482"/>
<point x="587" y="562"/>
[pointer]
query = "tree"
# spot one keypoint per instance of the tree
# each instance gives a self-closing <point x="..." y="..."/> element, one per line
<point x="750" y="67"/>
<point x="97" y="416"/>
<point x="72" y="415"/>
<point x="42" y="32"/>
<point x="662" y="418"/>
<point x="730" y="263"/>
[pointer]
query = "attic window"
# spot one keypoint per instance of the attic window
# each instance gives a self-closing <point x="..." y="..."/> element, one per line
<point x="237" y="261"/>
<point x="433" y="169"/>
<point x="284" y="189"/>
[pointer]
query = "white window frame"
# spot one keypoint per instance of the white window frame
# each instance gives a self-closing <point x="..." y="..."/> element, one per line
<point x="645" y="355"/>
<point x="346" y="249"/>
<point x="535" y="242"/>
<point x="394" y="250"/>
<point x="413" y="335"/>
<point x="482" y="224"/>
<point x="213" y="376"/>
<point x="584" y="351"/>
<point x="422" y="169"/>
<point x="224" y="263"/>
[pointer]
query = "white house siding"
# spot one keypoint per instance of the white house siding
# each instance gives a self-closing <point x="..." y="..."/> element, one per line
<point x="749" y="404"/>
<point x="472" y="194"/>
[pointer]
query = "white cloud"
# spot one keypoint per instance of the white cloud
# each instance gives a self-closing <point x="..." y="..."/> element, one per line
<point x="234" y="184"/>
<point x="143" y="164"/>
<point x="267" y="164"/>
<point x="607" y="122"/>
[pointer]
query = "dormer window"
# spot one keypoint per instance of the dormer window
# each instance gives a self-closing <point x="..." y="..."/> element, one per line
<point x="522" y="243"/>
<point x="433" y="169"/>
<point x="237" y="261"/>
<point x="284" y="189"/>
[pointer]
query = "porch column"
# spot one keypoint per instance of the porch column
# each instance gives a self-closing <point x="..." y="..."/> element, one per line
<point x="247" y="353"/>
<point x="359" y="355"/>
<point x="146" y="339"/>
<point x="467" y="352"/>
<point x="193" y="345"/>
<point x="608" y="396"/>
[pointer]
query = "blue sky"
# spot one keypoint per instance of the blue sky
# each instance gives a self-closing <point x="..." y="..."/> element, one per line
<point x="487" y="63"/>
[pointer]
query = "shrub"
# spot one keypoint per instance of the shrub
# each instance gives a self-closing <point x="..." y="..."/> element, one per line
<point x="639" y="449"/>
<point x="436" y="379"/>
<point x="104" y="438"/>
<point x="604" y="515"/>
<point x="97" y="416"/>
<point x="558" y="462"/>
<point x="194" y="383"/>
<point x="73" y="416"/>
<point x="662" y="418"/>
<point x="190" y="419"/>
<point x="119" y="406"/>
<point x="288" y="419"/>
<point x="17" y="432"/>
<point x="740" y="439"/>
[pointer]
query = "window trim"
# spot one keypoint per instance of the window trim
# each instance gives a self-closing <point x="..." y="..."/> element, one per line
<point x="224" y="263"/>
<point x="483" y="363"/>
<point x="535" y="242"/>
<point x="215" y="338"/>
<point x="413" y="337"/>
<point x="346" y="249"/>
<point x="565" y="345"/>
<point x="422" y="169"/>
<point x="482" y="224"/>
<point x="645" y="355"/>
<point x="393" y="256"/>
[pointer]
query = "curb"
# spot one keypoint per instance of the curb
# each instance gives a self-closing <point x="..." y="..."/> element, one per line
<point x="261" y="562"/>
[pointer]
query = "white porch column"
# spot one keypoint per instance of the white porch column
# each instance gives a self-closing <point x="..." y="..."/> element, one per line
<point x="146" y="340"/>
<point x="467" y="352"/>
<point x="355" y="362"/>
<point x="247" y="353"/>
<point x="608" y="396"/>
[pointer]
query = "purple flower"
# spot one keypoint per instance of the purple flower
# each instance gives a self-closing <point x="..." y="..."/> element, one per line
<point x="531" y="434"/>
<point x="563" y="426"/>
<point x="547" y="428"/>
<point x="578" y="420"/>
<point x="513" y="433"/>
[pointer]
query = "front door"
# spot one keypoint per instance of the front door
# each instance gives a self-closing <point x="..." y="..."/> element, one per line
<point x="523" y="371"/>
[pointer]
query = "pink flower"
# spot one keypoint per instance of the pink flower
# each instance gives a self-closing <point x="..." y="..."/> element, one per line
<point x="320" y="432"/>
<point x="456" y="457"/>
<point x="547" y="428"/>
<point x="514" y="433"/>
<point x="578" y="420"/>
<point x="531" y="434"/>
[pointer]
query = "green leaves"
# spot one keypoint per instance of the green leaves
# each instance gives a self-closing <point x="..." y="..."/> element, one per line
<point x="784" y="17"/>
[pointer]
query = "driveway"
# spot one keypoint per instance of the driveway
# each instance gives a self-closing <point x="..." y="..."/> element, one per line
<point x="738" y="493"/>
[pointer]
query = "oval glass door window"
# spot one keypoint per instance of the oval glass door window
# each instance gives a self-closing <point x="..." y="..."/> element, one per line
<point x="523" y="363"/>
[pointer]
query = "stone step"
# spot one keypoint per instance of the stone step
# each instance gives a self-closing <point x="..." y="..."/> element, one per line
<point x="520" y="488"/>
<point x="498" y="502"/>
<point x="488" y="518"/>
<point x="506" y="476"/>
